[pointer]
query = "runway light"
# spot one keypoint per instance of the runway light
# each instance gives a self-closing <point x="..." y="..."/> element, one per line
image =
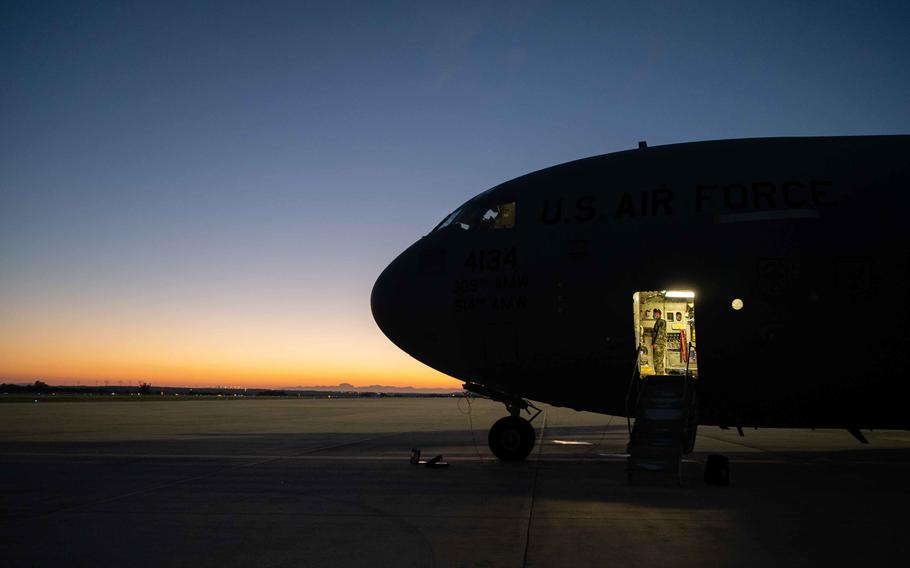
<point x="680" y="294"/>
<point x="737" y="304"/>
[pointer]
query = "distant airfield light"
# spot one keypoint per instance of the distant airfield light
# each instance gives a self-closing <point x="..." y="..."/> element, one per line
<point x="737" y="304"/>
<point x="680" y="294"/>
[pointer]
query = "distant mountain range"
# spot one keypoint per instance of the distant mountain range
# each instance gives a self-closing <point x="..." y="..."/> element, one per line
<point x="348" y="387"/>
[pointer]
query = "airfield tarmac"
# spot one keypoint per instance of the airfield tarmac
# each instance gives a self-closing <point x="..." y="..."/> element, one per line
<point x="296" y="482"/>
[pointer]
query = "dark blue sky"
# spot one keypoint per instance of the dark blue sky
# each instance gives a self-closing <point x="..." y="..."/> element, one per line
<point x="256" y="164"/>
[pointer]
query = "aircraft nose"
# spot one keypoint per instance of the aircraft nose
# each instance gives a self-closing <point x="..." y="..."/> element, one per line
<point x="408" y="304"/>
<point x="386" y="301"/>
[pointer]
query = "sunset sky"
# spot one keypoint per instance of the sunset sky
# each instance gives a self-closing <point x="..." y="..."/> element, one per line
<point x="203" y="193"/>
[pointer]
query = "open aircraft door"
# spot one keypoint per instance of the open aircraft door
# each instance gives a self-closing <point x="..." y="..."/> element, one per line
<point x="667" y="346"/>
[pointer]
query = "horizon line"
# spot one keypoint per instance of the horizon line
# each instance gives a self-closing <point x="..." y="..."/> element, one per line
<point x="123" y="384"/>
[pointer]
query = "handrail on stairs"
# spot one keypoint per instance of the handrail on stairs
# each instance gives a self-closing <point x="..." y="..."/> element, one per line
<point x="635" y="374"/>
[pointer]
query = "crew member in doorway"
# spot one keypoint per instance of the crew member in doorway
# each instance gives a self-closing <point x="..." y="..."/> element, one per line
<point x="658" y="342"/>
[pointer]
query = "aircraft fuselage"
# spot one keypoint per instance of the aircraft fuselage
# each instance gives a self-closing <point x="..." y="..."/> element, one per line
<point x="810" y="234"/>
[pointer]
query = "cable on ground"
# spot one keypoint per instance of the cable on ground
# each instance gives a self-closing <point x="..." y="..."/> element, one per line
<point x="470" y="412"/>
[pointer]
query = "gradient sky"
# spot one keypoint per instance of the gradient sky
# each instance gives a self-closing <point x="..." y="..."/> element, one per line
<point x="204" y="192"/>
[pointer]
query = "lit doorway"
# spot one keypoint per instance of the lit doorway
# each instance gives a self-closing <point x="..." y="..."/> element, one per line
<point x="666" y="348"/>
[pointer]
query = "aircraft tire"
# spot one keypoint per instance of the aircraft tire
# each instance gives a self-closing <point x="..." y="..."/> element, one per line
<point x="512" y="438"/>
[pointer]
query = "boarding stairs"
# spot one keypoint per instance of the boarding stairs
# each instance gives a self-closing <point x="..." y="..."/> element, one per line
<point x="666" y="419"/>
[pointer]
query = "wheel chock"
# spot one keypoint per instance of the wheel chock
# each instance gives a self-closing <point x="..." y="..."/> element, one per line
<point x="434" y="462"/>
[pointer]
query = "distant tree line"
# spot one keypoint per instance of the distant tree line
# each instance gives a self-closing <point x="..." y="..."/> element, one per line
<point x="144" y="388"/>
<point x="40" y="387"/>
<point x="37" y="386"/>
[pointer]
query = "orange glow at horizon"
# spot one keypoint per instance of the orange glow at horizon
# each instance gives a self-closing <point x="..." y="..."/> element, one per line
<point x="68" y="366"/>
<point x="245" y="347"/>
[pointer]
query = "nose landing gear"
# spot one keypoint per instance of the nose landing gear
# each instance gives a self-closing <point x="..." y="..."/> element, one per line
<point x="511" y="438"/>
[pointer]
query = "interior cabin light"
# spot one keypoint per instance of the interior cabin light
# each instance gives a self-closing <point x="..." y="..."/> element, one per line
<point x="737" y="304"/>
<point x="679" y="294"/>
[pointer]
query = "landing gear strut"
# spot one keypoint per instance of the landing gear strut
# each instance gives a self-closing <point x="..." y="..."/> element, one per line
<point x="511" y="438"/>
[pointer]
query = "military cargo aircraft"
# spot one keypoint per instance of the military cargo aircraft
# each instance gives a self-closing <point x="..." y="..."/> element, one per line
<point x="779" y="266"/>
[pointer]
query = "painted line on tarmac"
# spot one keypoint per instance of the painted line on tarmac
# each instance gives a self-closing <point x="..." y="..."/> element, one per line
<point x="603" y="458"/>
<point x="248" y="463"/>
<point x="328" y="458"/>
<point x="403" y="457"/>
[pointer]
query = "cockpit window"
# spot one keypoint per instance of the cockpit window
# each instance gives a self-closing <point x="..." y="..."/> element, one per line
<point x="499" y="217"/>
<point x="482" y="216"/>
<point x="448" y="220"/>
